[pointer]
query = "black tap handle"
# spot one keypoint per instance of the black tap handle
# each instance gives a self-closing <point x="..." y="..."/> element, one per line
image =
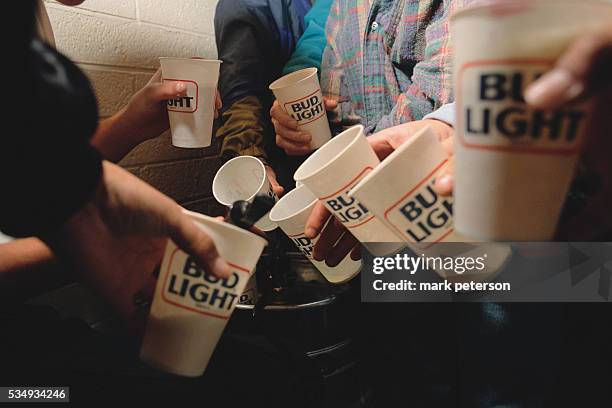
<point x="244" y="214"/>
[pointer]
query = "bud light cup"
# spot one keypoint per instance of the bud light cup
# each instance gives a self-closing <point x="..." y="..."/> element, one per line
<point x="243" y="178"/>
<point x="332" y="171"/>
<point x="290" y="214"/>
<point x="514" y="164"/>
<point x="399" y="192"/>
<point x="299" y="94"/>
<point x="191" y="116"/>
<point x="191" y="308"/>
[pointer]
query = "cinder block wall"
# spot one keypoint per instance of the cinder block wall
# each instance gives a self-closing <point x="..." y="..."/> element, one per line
<point x="117" y="43"/>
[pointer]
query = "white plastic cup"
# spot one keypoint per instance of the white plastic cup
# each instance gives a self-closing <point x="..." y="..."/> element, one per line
<point x="299" y="94"/>
<point x="399" y="192"/>
<point x="191" y="117"/>
<point x="332" y="171"/>
<point x="243" y="178"/>
<point x="514" y="164"/>
<point x="290" y="214"/>
<point x="250" y="294"/>
<point x="190" y="308"/>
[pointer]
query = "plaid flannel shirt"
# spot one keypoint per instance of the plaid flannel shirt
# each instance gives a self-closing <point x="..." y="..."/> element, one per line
<point x="388" y="61"/>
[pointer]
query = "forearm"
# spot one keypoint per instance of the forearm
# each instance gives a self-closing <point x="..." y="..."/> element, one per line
<point x="23" y="254"/>
<point x="111" y="137"/>
<point x="28" y="268"/>
<point x="243" y="128"/>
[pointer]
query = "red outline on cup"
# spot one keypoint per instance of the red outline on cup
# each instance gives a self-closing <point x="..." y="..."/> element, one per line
<point x="507" y="149"/>
<point x="301" y="99"/>
<point x="197" y="95"/>
<point x="349" y="185"/>
<point x="167" y="273"/>
<point x="419" y="184"/>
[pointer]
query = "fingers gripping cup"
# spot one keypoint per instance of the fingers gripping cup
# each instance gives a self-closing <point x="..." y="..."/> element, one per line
<point x="299" y="94"/>
<point x="290" y="214"/>
<point x="332" y="171"/>
<point x="243" y="178"/>
<point x="191" y="116"/>
<point x="191" y="308"/>
<point x="400" y="193"/>
<point x="514" y="164"/>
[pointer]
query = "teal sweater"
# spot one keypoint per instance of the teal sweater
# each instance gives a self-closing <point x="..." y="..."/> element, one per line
<point x="309" y="49"/>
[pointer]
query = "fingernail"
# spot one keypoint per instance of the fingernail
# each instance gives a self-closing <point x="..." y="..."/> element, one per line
<point x="554" y="88"/>
<point x="180" y="87"/>
<point x="332" y="263"/>
<point x="310" y="233"/>
<point x="445" y="182"/>
<point x="222" y="267"/>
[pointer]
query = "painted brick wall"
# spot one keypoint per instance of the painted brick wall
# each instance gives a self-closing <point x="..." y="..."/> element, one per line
<point x="117" y="43"/>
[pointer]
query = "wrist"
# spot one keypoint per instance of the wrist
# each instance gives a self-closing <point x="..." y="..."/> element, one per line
<point x="128" y="129"/>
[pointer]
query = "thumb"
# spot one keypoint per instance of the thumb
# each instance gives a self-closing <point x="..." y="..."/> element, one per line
<point x="330" y="103"/>
<point x="380" y="145"/>
<point x="445" y="181"/>
<point x="161" y="91"/>
<point x="193" y="240"/>
<point x="276" y="187"/>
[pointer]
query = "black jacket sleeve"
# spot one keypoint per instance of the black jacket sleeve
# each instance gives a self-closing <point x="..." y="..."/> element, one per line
<point x="48" y="169"/>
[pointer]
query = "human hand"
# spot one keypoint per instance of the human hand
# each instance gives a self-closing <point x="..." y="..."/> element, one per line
<point x="386" y="141"/>
<point x="115" y="242"/>
<point x="218" y="103"/>
<point x="335" y="241"/>
<point x="583" y="71"/>
<point x="293" y="141"/>
<point x="146" y="116"/>
<point x="276" y="187"/>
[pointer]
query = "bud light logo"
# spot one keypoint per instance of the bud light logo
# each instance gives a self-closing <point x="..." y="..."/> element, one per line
<point x="304" y="244"/>
<point x="421" y="215"/>
<point x="493" y="114"/>
<point x="188" y="286"/>
<point x="307" y="109"/>
<point x="187" y="103"/>
<point x="347" y="209"/>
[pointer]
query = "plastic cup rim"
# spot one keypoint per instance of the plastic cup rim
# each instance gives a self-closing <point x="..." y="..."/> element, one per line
<point x="531" y="4"/>
<point x="311" y="71"/>
<point x="287" y="197"/>
<point x="298" y="177"/>
<point x="207" y="220"/>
